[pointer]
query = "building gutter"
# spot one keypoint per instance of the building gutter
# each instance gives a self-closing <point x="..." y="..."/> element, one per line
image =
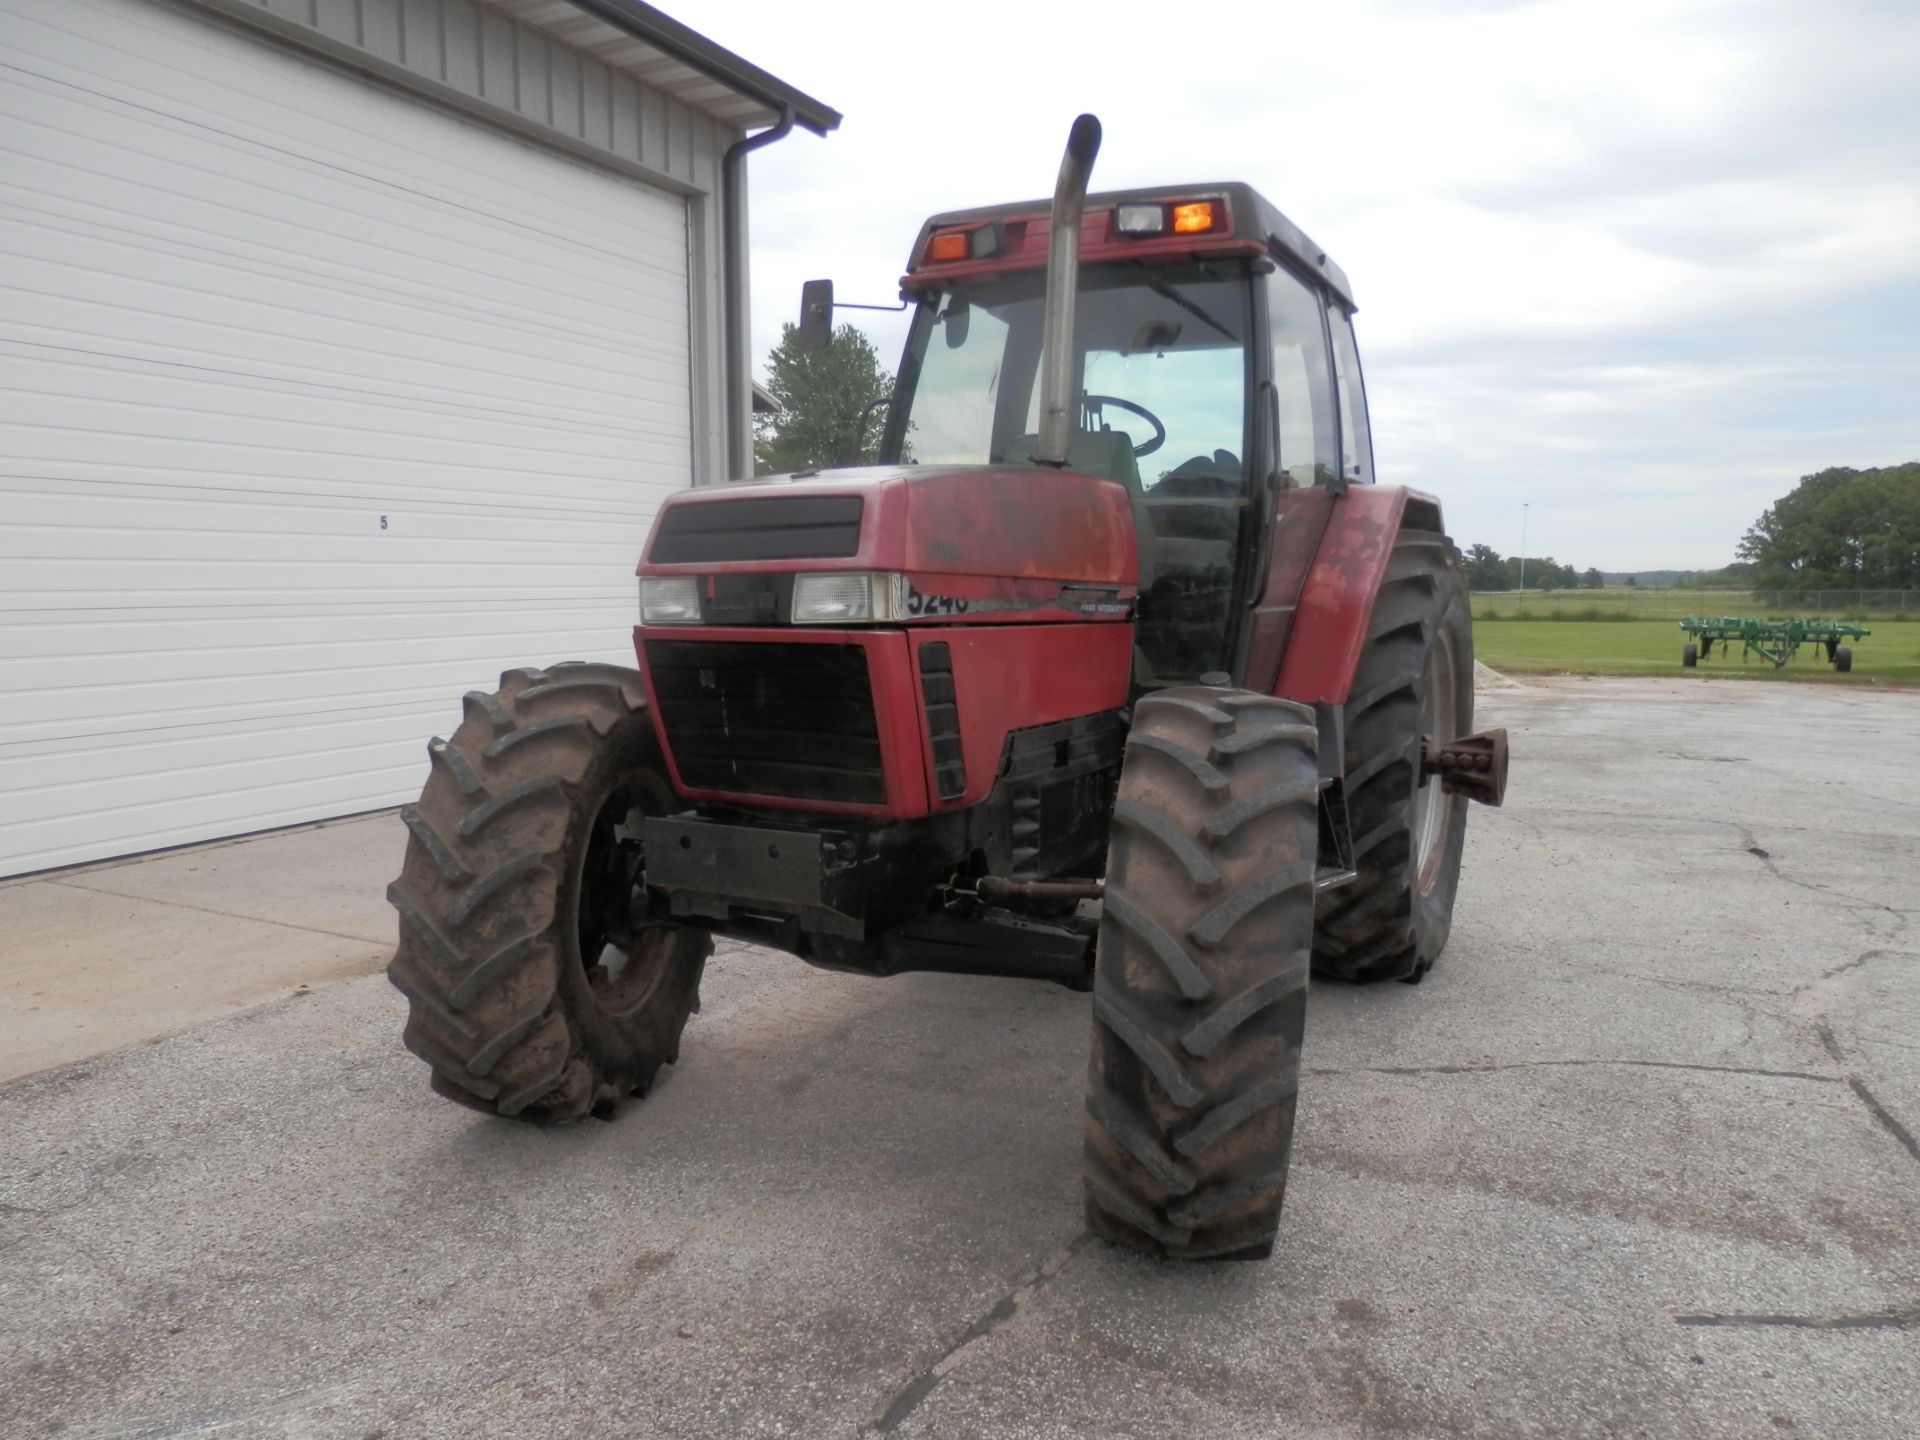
<point x="733" y="270"/>
<point x="696" y="51"/>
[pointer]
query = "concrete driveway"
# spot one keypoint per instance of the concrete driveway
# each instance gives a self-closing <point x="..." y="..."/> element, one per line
<point x="1637" y="1160"/>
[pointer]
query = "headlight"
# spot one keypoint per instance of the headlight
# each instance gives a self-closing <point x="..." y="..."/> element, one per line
<point x="670" y="600"/>
<point x="849" y="599"/>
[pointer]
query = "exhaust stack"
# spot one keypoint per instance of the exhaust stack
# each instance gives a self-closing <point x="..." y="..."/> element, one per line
<point x="1059" y="406"/>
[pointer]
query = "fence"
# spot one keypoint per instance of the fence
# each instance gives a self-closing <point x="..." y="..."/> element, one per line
<point x="1620" y="602"/>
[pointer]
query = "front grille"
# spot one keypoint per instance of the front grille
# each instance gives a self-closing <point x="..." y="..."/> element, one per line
<point x="794" y="721"/>
<point x="789" y="527"/>
<point x="943" y="720"/>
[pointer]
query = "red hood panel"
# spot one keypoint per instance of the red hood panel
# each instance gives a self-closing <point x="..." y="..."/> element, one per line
<point x="1019" y="522"/>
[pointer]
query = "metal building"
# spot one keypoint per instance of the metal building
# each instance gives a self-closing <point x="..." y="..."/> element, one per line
<point x="346" y="349"/>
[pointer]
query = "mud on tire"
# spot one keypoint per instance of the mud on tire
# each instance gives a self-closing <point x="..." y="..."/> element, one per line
<point x="1415" y="676"/>
<point x="1201" y="982"/>
<point x="517" y="870"/>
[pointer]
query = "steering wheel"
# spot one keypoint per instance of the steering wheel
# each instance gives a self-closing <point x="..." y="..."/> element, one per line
<point x="1159" y="430"/>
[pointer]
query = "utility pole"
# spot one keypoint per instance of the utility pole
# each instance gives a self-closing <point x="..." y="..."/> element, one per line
<point x="1523" y="555"/>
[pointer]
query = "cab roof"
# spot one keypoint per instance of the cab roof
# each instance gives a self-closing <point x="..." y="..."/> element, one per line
<point x="1255" y="226"/>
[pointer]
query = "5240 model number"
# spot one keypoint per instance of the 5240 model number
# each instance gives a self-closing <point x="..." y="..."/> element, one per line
<point x="920" y="603"/>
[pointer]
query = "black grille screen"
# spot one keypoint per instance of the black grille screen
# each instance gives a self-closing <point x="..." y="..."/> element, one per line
<point x="943" y="720"/>
<point x="789" y="527"/>
<point x="795" y="721"/>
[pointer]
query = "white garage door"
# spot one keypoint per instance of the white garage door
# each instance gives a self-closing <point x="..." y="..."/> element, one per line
<point x="318" y="406"/>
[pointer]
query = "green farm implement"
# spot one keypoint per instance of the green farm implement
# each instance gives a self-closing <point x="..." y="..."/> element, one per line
<point x="1776" y="641"/>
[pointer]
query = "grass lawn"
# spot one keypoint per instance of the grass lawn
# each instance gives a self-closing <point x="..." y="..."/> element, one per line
<point x="1623" y="603"/>
<point x="1890" y="655"/>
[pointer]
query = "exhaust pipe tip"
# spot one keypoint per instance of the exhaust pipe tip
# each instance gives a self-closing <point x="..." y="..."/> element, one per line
<point x="1083" y="140"/>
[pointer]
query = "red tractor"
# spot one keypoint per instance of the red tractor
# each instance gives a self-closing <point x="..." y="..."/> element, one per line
<point x="1117" y="671"/>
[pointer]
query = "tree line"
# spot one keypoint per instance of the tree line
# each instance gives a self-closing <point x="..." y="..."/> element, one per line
<point x="1840" y="529"/>
<point x="1488" y="569"/>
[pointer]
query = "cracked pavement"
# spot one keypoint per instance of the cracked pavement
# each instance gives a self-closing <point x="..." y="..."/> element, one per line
<point x="1637" y="1159"/>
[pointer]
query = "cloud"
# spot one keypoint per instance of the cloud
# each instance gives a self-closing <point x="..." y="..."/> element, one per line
<point x="1641" y="263"/>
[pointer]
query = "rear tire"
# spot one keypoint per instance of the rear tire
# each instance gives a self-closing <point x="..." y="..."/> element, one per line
<point x="1689" y="655"/>
<point x="1415" y="677"/>
<point x="525" y="994"/>
<point x="1200" y="988"/>
<point x="1843" y="659"/>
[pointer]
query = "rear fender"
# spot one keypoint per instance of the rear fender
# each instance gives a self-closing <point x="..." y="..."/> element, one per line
<point x="1327" y="624"/>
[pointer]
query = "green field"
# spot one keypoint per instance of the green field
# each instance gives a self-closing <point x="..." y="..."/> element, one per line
<point x="1623" y="603"/>
<point x="1890" y="655"/>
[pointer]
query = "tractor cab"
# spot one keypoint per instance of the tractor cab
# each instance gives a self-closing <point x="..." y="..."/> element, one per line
<point x="1212" y="365"/>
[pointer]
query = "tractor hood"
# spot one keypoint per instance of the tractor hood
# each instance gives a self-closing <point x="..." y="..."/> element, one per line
<point x="1023" y="523"/>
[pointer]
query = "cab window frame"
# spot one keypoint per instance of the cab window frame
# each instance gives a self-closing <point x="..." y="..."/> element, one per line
<point x="1356" y="451"/>
<point x="1327" y="445"/>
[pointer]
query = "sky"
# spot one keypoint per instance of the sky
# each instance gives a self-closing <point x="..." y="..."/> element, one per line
<point x="1633" y="265"/>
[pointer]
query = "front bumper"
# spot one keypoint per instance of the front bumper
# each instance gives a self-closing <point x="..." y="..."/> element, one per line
<point x="713" y="871"/>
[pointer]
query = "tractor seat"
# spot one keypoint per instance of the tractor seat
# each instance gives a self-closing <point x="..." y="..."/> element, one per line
<point x="1107" y="454"/>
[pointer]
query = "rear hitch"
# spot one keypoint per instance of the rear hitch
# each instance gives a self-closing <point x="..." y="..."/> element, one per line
<point x="1474" y="765"/>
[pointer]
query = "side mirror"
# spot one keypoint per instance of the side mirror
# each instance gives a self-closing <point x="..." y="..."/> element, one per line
<point x="816" y="315"/>
<point x="954" y="323"/>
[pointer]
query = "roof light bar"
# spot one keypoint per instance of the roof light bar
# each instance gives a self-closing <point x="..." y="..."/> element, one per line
<point x="978" y="242"/>
<point x="1141" y="221"/>
<point x="1193" y="218"/>
<point x="947" y="245"/>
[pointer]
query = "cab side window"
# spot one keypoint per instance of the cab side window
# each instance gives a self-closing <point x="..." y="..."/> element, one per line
<point x="1303" y="376"/>
<point x="1356" y="438"/>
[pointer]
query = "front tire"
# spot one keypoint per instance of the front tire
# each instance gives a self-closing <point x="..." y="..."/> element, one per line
<point x="1415" y="678"/>
<point x="1200" y="987"/>
<point x="527" y="995"/>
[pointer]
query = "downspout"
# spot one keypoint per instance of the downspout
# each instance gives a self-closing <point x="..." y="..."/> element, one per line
<point x="733" y="280"/>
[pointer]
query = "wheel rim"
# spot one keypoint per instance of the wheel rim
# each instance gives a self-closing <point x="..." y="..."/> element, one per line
<point x="622" y="969"/>
<point x="1439" y="717"/>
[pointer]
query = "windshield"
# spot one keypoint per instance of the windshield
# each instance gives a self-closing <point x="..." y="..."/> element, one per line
<point x="1161" y="366"/>
<point x="1169" y="342"/>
